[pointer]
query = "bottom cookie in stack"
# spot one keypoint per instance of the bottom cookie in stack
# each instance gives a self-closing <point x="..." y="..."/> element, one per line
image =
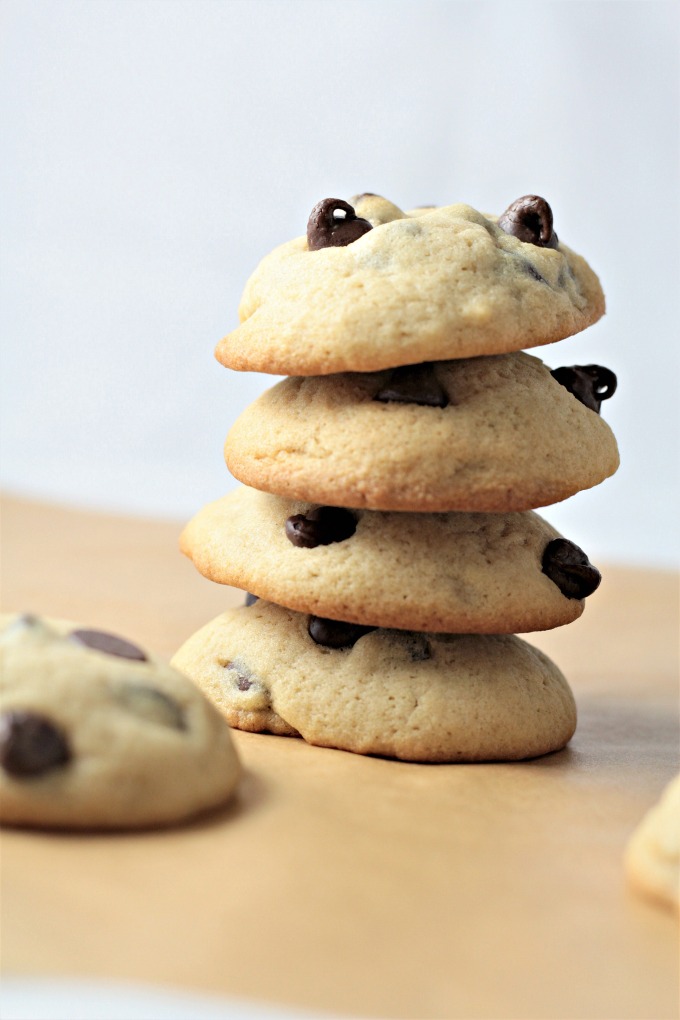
<point x="419" y="697"/>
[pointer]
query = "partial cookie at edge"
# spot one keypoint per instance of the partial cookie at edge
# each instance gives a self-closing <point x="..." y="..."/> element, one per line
<point x="652" y="856"/>
<point x="104" y="741"/>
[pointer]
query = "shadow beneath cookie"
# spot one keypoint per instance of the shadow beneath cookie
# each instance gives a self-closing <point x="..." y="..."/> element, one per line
<point x="249" y="795"/>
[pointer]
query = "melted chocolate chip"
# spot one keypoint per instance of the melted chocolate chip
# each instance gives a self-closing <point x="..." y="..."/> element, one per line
<point x="418" y="647"/>
<point x="244" y="677"/>
<point x="570" y="569"/>
<point x="328" y="228"/>
<point x="323" y="526"/>
<point x="414" y="384"/>
<point x="591" y="384"/>
<point x="335" y="633"/>
<point x="110" y="644"/>
<point x="31" y="745"/>
<point x="250" y="599"/>
<point x="530" y="219"/>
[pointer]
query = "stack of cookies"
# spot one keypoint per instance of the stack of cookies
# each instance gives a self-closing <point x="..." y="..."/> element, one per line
<point x="385" y="528"/>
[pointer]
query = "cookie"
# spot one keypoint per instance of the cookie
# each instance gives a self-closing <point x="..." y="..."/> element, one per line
<point x="653" y="854"/>
<point x="500" y="433"/>
<point x="96" y="733"/>
<point x="362" y="294"/>
<point x="419" y="697"/>
<point x="460" y="572"/>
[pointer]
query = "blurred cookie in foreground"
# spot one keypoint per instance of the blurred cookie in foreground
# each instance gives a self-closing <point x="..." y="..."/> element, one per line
<point x="653" y="853"/>
<point x="96" y="733"/>
<point x="396" y="693"/>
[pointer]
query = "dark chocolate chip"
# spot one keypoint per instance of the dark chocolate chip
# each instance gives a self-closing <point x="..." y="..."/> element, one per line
<point x="570" y="569"/>
<point x="335" y="633"/>
<point x="329" y="228"/>
<point x="418" y="647"/>
<point x="244" y="677"/>
<point x="591" y="384"/>
<point x="31" y="745"/>
<point x="414" y="384"/>
<point x="323" y="526"/>
<point x="153" y="705"/>
<point x="530" y="219"/>
<point x="110" y="644"/>
<point x="250" y="599"/>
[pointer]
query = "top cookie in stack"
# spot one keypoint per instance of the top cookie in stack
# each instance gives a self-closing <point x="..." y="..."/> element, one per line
<point x="410" y="403"/>
<point x="371" y="287"/>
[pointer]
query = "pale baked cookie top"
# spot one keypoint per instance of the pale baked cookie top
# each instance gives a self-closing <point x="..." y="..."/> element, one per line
<point x="420" y="697"/>
<point x="429" y="285"/>
<point x="97" y="733"/>
<point x="458" y="572"/>
<point x="492" y="434"/>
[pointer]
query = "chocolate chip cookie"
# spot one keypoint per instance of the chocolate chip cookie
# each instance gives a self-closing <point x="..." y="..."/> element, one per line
<point x="96" y="733"/>
<point x="371" y="287"/>
<point x="653" y="852"/>
<point x="496" y="434"/>
<point x="415" y="696"/>
<point x="460" y="572"/>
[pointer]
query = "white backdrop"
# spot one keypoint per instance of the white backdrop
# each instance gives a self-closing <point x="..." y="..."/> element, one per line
<point x="155" y="150"/>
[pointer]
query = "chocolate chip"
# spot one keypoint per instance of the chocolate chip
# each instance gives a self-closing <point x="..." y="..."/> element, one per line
<point x="151" y="704"/>
<point x="100" y="641"/>
<point x="530" y="219"/>
<point x="570" y="569"/>
<point x="418" y="647"/>
<point x="30" y="744"/>
<point x="414" y="384"/>
<point x="322" y="526"/>
<point x="250" y="599"/>
<point x="335" y="633"/>
<point x="591" y="384"/>
<point x="329" y="228"/>
<point x="240" y="677"/>
<point x="244" y="676"/>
